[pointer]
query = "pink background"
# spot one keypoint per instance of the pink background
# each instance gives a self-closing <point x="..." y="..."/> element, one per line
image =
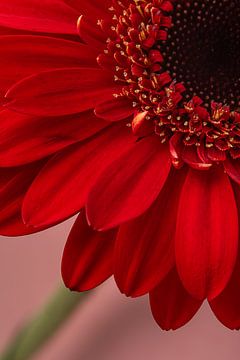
<point x="107" y="326"/>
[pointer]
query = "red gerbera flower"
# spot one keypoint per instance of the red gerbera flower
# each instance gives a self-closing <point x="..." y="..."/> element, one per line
<point x="136" y="123"/>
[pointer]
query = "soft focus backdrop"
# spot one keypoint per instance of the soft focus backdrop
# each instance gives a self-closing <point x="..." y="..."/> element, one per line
<point x="107" y="326"/>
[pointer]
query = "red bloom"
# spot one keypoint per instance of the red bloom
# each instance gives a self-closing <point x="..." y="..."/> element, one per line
<point x="136" y="124"/>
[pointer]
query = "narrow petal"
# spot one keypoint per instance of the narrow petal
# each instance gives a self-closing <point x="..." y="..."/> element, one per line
<point x="129" y="186"/>
<point x="175" y="148"/>
<point x="87" y="257"/>
<point x="14" y="183"/>
<point x="61" y="92"/>
<point x="18" y="56"/>
<point x="115" y="109"/>
<point x="24" y="139"/>
<point x="48" y="16"/>
<point x="171" y="305"/>
<point x="63" y="185"/>
<point x="144" y="252"/>
<point x="207" y="233"/>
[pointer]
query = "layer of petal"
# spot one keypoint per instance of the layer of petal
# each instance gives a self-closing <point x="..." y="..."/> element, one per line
<point x="48" y="16"/>
<point x="61" y="92"/>
<point x="24" y="139"/>
<point x="22" y="55"/>
<point x="63" y="185"/>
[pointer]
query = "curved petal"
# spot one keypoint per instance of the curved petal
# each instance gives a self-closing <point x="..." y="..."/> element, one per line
<point x="61" y="92"/>
<point x="232" y="167"/>
<point x="175" y="148"/>
<point x="236" y="190"/>
<point x="226" y="305"/>
<point x="24" y="139"/>
<point x="171" y="305"/>
<point x="215" y="154"/>
<point x="190" y="156"/>
<point x="115" y="109"/>
<point x="129" y="186"/>
<point x="141" y="127"/>
<point x="87" y="257"/>
<point x="48" y="16"/>
<point x="144" y="252"/>
<point x="62" y="186"/>
<point x="207" y="233"/>
<point x="18" y="56"/>
<point x="91" y="33"/>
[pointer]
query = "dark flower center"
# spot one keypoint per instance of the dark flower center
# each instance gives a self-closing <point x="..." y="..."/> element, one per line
<point x="203" y="49"/>
<point x="178" y="62"/>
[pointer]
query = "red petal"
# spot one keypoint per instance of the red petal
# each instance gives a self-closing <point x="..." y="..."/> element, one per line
<point x="235" y="153"/>
<point x="145" y="246"/>
<point x="142" y="127"/>
<point x="232" y="168"/>
<point x="202" y="152"/>
<point x="171" y="305"/>
<point x="115" y="109"/>
<point x="21" y="56"/>
<point x="61" y="92"/>
<point x="50" y="16"/>
<point x="207" y="233"/>
<point x="175" y="148"/>
<point x="62" y="186"/>
<point x="88" y="256"/>
<point x="215" y="154"/>
<point x="129" y="186"/>
<point x="91" y="33"/>
<point x="14" y="183"/>
<point x="97" y="9"/>
<point x="24" y="139"/>
<point x="226" y="305"/>
<point x="190" y="156"/>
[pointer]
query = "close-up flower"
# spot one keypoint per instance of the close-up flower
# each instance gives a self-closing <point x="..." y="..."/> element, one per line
<point x="127" y="113"/>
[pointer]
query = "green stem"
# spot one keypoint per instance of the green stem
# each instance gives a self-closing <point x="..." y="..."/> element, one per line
<point x="35" y="333"/>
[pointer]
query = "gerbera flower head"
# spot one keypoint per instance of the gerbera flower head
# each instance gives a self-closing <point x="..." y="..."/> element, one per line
<point x="134" y="124"/>
<point x="178" y="62"/>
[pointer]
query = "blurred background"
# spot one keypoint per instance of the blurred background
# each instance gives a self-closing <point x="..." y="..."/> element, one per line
<point x="107" y="325"/>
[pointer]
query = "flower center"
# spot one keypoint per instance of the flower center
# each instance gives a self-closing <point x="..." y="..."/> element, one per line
<point x="179" y="63"/>
<point x="203" y="49"/>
